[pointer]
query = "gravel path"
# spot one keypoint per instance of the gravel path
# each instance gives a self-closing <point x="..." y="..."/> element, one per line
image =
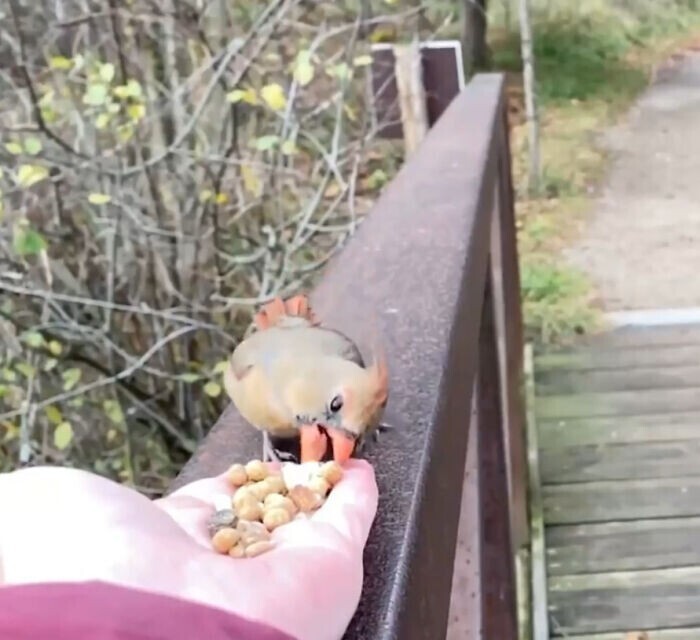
<point x="641" y="246"/>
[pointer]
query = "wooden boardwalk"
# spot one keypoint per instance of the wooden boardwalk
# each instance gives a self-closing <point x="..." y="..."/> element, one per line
<point x="618" y="430"/>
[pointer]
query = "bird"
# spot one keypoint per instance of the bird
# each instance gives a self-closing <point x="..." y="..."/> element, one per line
<point x="293" y="378"/>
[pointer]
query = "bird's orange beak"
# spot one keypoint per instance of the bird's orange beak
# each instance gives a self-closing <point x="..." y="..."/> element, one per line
<point x="313" y="443"/>
<point x="343" y="446"/>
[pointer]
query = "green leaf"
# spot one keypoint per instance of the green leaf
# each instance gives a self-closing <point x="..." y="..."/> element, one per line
<point x="32" y="146"/>
<point x="71" y="377"/>
<point x="33" y="339"/>
<point x="212" y="389"/>
<point x="95" y="95"/>
<point x="15" y="148"/>
<point x="50" y="364"/>
<point x="107" y="72"/>
<point x="25" y="369"/>
<point x="189" y="377"/>
<point x="54" y="415"/>
<point x="99" y="198"/>
<point x="9" y="375"/>
<point x="30" y="174"/>
<point x="60" y="62"/>
<point x="113" y="411"/>
<point x="27" y="241"/>
<point x="63" y="435"/>
<point x="265" y="143"/>
<point x="340" y="71"/>
<point x="303" y="68"/>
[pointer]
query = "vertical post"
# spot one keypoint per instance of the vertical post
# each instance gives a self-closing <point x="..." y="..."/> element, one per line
<point x="498" y="592"/>
<point x="412" y="101"/>
<point x="509" y="313"/>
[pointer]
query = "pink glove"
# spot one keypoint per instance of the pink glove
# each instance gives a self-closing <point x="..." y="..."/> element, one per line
<point x="65" y="525"/>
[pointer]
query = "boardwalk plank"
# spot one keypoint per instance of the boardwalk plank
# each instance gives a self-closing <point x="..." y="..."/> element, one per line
<point x="620" y="461"/>
<point x="623" y="546"/>
<point x="568" y="432"/>
<point x="624" y="601"/>
<point x="621" y="500"/>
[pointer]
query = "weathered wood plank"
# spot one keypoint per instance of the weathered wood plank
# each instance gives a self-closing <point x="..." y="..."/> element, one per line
<point x="618" y="403"/>
<point x="632" y="337"/>
<point x="580" y="359"/>
<point x="540" y="628"/>
<point x="623" y="546"/>
<point x="687" y="633"/>
<point x="625" y="601"/>
<point x="557" y="382"/>
<point x="620" y="461"/>
<point x="587" y="502"/>
<point x="646" y="428"/>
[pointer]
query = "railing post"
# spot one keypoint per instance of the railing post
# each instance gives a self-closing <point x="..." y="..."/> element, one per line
<point x="509" y="318"/>
<point x="498" y="593"/>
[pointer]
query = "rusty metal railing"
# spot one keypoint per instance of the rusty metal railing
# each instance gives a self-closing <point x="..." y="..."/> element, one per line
<point x="434" y="271"/>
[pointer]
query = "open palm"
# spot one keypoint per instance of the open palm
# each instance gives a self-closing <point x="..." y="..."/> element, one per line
<point x="63" y="525"/>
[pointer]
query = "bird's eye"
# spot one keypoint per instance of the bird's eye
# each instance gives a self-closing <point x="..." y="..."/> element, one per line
<point x="336" y="404"/>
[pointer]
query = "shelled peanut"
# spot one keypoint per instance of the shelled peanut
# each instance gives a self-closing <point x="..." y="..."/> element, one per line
<point x="264" y="500"/>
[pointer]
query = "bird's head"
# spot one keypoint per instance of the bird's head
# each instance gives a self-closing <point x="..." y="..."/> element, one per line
<point x="336" y="396"/>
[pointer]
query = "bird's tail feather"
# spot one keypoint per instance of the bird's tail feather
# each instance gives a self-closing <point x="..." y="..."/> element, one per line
<point x="274" y="312"/>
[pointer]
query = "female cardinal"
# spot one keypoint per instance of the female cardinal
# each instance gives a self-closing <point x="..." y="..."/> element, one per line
<point x="294" y="378"/>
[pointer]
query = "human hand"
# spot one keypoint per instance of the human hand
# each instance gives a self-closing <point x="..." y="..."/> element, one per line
<point x="66" y="525"/>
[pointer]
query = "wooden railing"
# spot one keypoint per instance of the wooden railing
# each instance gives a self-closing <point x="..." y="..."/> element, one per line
<point x="433" y="271"/>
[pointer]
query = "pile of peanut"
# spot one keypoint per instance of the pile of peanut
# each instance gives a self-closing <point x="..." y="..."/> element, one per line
<point x="264" y="500"/>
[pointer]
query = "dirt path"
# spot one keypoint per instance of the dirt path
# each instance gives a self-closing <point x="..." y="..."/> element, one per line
<point x="641" y="246"/>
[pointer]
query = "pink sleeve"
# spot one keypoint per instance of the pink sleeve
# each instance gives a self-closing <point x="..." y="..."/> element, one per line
<point x="102" y="611"/>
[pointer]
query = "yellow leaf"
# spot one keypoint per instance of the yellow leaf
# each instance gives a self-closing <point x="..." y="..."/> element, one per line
<point x="11" y="431"/>
<point x="251" y="182"/>
<point x="99" y="198"/>
<point x="60" y="62"/>
<point x="332" y="190"/>
<point x="14" y="148"/>
<point x="102" y="120"/>
<point x="303" y="68"/>
<point x="29" y="174"/>
<point x="246" y="95"/>
<point x="289" y="147"/>
<point x="350" y="113"/>
<point x="221" y="366"/>
<point x="63" y="435"/>
<point x="362" y="61"/>
<point x="136" y="111"/>
<point x="273" y="95"/>
<point x="205" y="195"/>
<point x="54" y="414"/>
<point x="55" y="347"/>
<point x="132" y="89"/>
<point x="221" y="198"/>
<point x="212" y="389"/>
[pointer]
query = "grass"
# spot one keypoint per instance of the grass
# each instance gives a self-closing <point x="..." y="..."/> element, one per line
<point x="591" y="64"/>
